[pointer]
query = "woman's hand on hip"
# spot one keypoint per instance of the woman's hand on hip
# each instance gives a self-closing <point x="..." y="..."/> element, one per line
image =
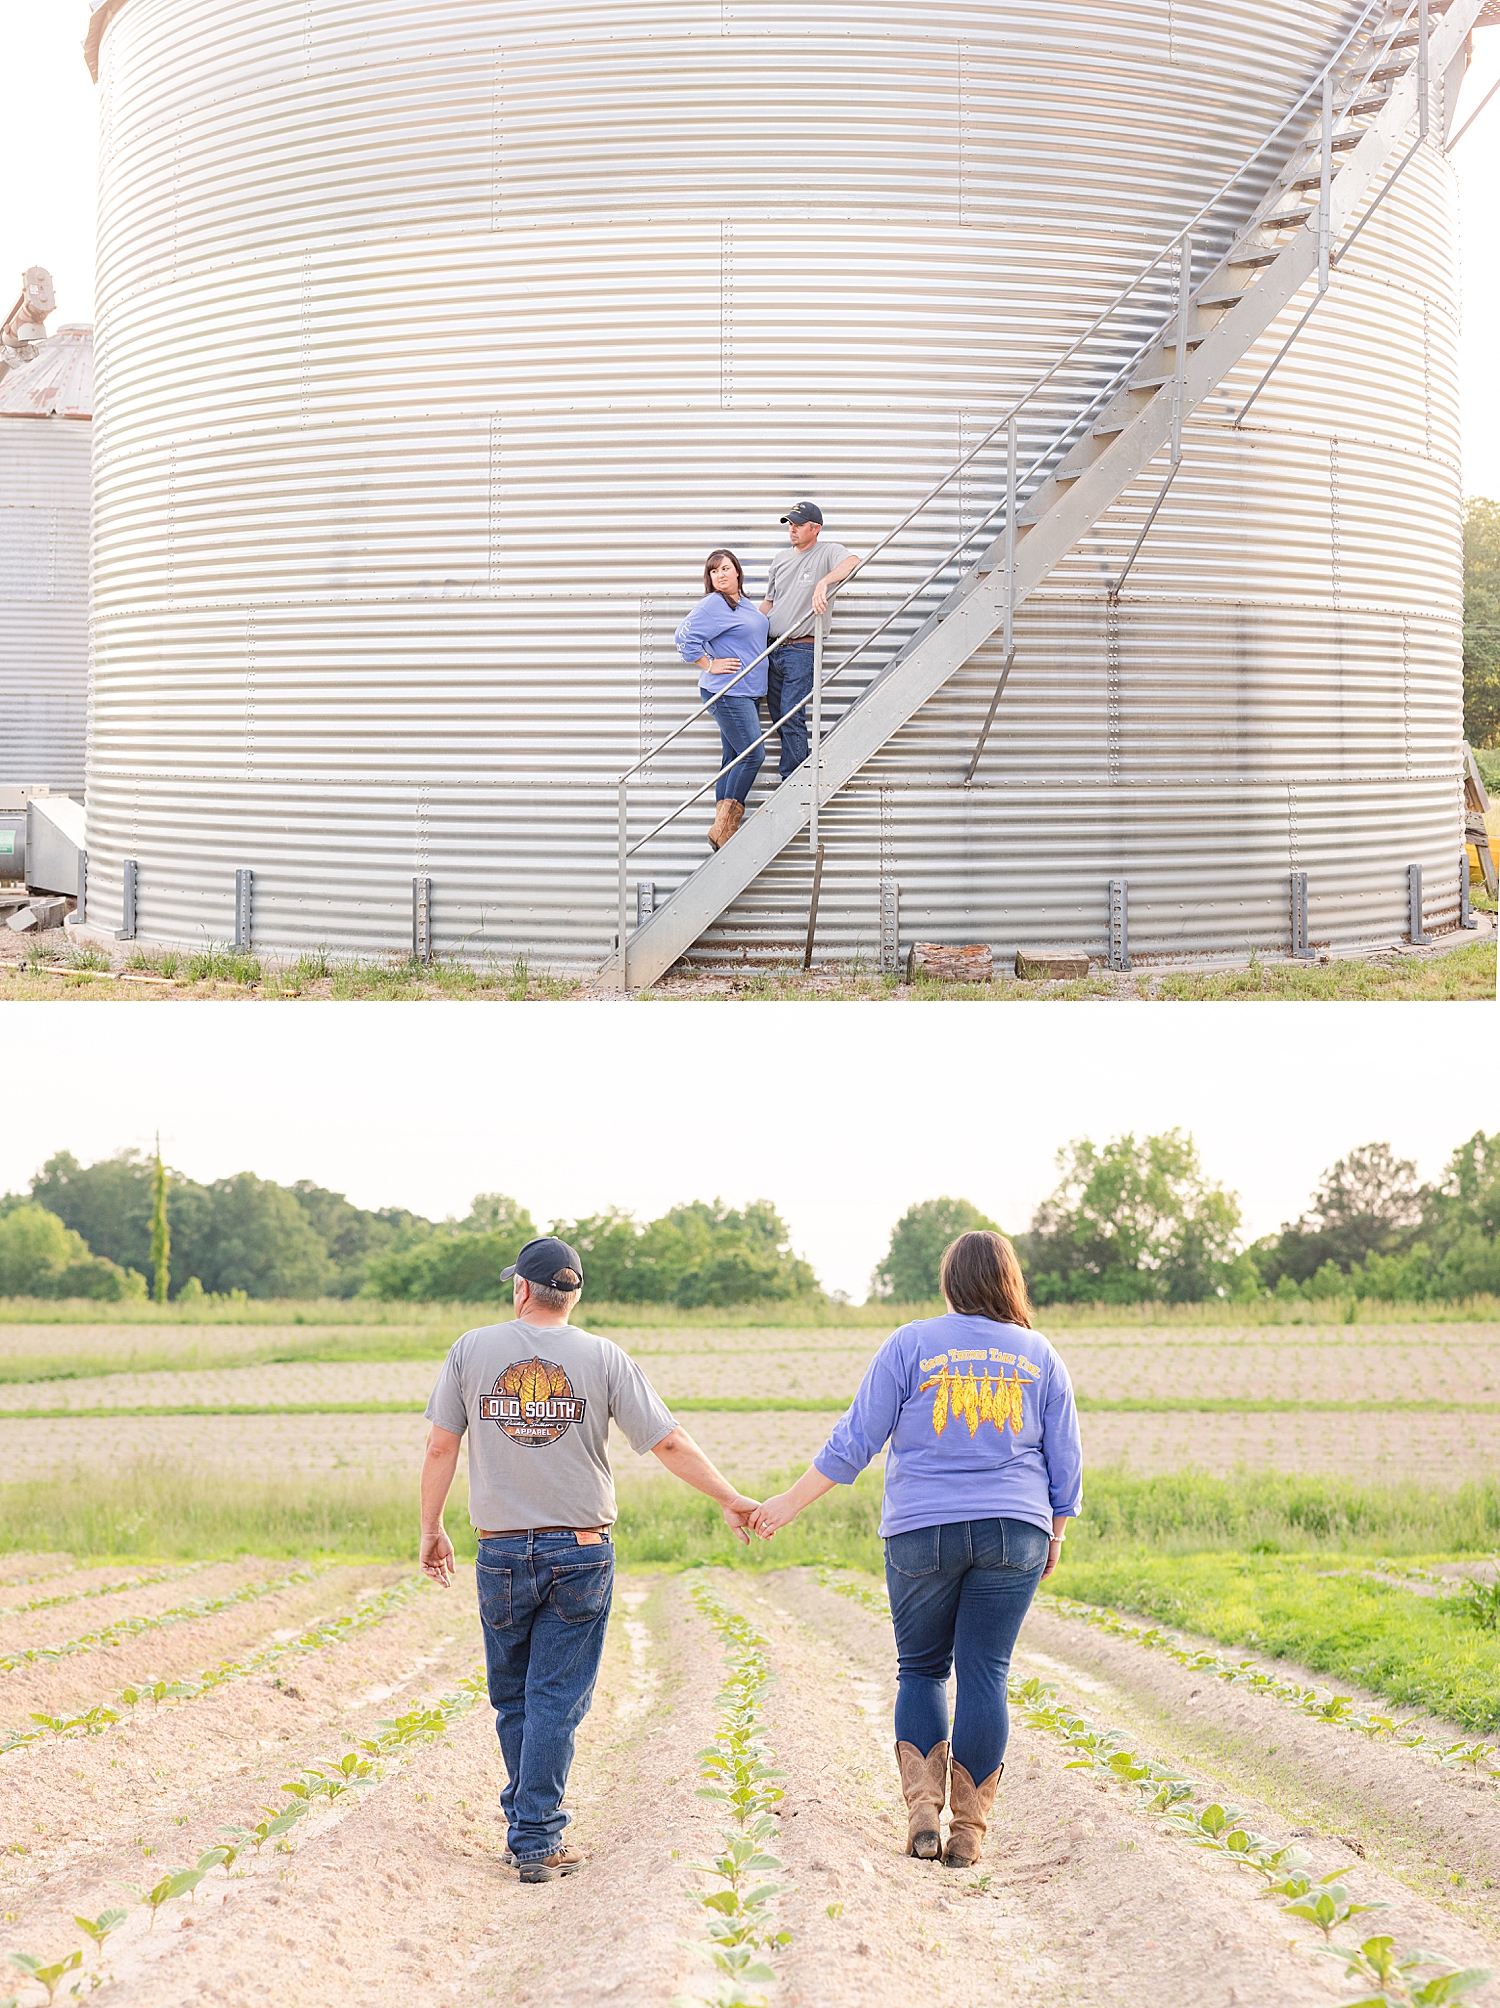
<point x="724" y="665"/>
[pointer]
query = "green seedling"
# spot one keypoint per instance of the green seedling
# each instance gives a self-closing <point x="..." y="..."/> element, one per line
<point x="1394" y="1975"/>
<point x="1478" y="1756"/>
<point x="176" y="1882"/>
<point x="1481" y="1601"/>
<point x="217" y="1858"/>
<point x="978" y="1885"/>
<point x="49" y="1976"/>
<point x="834" y="1910"/>
<point x="99" y="1928"/>
<point x="1328" y="1908"/>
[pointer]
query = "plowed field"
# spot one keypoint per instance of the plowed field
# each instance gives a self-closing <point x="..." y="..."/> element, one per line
<point x="398" y="1892"/>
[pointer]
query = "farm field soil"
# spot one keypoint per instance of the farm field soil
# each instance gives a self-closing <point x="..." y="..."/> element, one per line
<point x="365" y="1444"/>
<point x="400" y="1893"/>
<point x="1423" y="1823"/>
<point x="1432" y="1449"/>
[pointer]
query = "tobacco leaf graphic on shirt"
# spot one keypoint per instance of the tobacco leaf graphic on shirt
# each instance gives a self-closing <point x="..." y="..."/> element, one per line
<point x="978" y="1398"/>
<point x="533" y="1402"/>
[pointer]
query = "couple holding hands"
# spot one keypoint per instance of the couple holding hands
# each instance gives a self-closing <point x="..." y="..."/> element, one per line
<point x="983" y="1470"/>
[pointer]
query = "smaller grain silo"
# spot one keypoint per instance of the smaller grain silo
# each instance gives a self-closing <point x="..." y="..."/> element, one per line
<point x="46" y="408"/>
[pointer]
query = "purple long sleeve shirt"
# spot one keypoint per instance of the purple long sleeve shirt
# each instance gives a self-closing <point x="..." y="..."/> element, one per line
<point x="981" y="1423"/>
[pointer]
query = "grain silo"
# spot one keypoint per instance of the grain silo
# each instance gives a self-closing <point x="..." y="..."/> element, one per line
<point x="439" y="342"/>
<point x="45" y="409"/>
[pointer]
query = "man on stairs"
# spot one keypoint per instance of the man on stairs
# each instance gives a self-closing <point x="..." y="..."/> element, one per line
<point x="802" y="576"/>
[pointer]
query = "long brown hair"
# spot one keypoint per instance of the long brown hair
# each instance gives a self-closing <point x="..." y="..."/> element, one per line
<point x="708" y="573"/>
<point x="980" y="1275"/>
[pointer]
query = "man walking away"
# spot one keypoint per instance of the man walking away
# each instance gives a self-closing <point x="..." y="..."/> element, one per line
<point x="802" y="576"/>
<point x="537" y="1399"/>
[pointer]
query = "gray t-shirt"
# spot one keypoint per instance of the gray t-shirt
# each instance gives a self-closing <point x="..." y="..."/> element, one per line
<point x="794" y="573"/>
<point x="536" y="1401"/>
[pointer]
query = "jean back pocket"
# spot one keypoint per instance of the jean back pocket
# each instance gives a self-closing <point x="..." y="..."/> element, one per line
<point x="494" y="1595"/>
<point x="580" y="1590"/>
<point x="914" y="1553"/>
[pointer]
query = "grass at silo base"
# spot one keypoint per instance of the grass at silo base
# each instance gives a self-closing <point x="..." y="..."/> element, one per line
<point x="59" y="971"/>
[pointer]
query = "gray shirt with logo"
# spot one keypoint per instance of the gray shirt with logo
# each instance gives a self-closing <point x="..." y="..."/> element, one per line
<point x="794" y="573"/>
<point x="536" y="1401"/>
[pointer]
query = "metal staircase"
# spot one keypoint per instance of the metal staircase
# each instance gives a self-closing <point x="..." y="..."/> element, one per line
<point x="1376" y="86"/>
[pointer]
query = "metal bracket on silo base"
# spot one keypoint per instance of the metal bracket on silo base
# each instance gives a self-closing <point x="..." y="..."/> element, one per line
<point x="129" y="880"/>
<point x="890" y="927"/>
<point x="1466" y="915"/>
<point x="1119" y="924"/>
<point x="421" y="920"/>
<point x="1418" y="936"/>
<point x="1300" y="950"/>
<point x="645" y="900"/>
<point x="244" y="887"/>
<point x="81" y="904"/>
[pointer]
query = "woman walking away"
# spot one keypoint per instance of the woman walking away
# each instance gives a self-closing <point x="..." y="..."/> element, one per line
<point x="723" y="634"/>
<point x="984" y="1472"/>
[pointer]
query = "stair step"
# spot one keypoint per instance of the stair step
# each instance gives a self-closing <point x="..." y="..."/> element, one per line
<point x="1391" y="70"/>
<point x="1289" y="219"/>
<point x="1229" y="297"/>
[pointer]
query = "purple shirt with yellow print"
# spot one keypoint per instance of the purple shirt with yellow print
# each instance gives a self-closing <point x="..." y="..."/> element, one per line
<point x="981" y="1424"/>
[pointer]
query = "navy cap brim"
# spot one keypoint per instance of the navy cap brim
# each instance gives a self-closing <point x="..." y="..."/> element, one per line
<point x="506" y="1274"/>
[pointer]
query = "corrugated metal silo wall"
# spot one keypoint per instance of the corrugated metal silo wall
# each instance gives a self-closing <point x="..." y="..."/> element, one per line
<point x="487" y="320"/>
<point x="44" y="601"/>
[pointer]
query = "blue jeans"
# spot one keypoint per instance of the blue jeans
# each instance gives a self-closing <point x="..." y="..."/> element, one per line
<point x="544" y="1604"/>
<point x="958" y="1595"/>
<point x="789" y="678"/>
<point x="738" y="720"/>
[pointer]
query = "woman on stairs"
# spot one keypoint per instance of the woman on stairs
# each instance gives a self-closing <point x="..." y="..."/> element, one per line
<point x="983" y="1473"/>
<point x="723" y="633"/>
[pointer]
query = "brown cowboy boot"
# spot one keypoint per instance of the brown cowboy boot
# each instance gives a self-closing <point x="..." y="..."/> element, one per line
<point x="720" y="827"/>
<point x="924" y="1785"/>
<point x="732" y="821"/>
<point x="968" y="1816"/>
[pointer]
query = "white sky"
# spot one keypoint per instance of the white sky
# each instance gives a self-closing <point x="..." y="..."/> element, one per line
<point x="47" y="215"/>
<point x="572" y="1107"/>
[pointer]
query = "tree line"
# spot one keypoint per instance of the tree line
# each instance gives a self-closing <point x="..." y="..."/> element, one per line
<point x="1131" y="1221"/>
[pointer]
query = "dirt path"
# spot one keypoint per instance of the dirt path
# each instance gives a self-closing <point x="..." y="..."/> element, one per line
<point x="1430" y="1830"/>
<point x="1089" y="1903"/>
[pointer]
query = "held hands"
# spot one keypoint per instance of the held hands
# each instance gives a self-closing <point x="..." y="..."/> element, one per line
<point x="436" y="1557"/>
<point x="739" y="1512"/>
<point x="772" y="1515"/>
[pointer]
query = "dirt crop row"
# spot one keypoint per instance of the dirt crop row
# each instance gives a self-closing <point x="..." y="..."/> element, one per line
<point x="397" y="1889"/>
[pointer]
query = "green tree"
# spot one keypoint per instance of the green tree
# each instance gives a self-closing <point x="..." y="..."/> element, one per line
<point x="161" y="1234"/>
<point x="40" y="1257"/>
<point x="108" y="1203"/>
<point x="1481" y="621"/>
<point x="908" y="1274"/>
<point x="1133" y="1222"/>
<point x="1369" y="1203"/>
<point x="696" y="1255"/>
<point x="352" y="1235"/>
<point x="457" y="1263"/>
<point x="250" y="1234"/>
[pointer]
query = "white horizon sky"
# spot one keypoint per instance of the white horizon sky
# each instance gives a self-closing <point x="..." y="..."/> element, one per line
<point x="47" y="217"/>
<point x="571" y="1108"/>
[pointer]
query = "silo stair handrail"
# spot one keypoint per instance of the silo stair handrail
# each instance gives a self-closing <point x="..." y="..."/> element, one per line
<point x="1088" y="463"/>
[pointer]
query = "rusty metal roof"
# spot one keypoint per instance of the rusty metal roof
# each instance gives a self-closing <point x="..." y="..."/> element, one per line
<point x="56" y="383"/>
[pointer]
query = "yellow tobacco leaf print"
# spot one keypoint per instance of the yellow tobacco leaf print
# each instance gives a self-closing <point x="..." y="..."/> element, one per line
<point x="977" y="1399"/>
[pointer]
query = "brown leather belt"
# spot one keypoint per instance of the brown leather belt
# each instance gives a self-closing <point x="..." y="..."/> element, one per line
<point x="516" y="1533"/>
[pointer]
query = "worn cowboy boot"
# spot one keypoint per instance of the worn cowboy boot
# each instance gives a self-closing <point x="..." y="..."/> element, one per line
<point x="924" y="1785"/>
<point x="733" y="819"/>
<point x="968" y="1816"/>
<point x="720" y="827"/>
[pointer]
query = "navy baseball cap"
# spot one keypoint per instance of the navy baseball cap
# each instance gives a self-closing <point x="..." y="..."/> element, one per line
<point x="539" y="1262"/>
<point x="804" y="512"/>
